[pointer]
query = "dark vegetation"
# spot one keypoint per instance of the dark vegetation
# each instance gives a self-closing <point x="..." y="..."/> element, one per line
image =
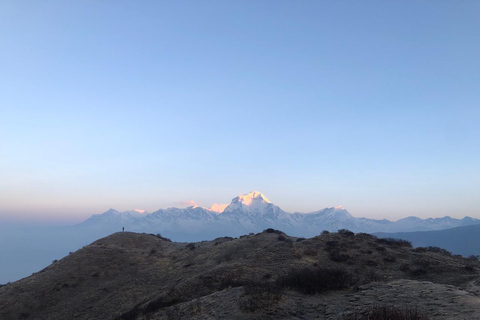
<point x="432" y="249"/>
<point x="190" y="246"/>
<point x="394" y="242"/>
<point x="387" y="313"/>
<point x="159" y="236"/>
<point x="312" y="281"/>
<point x="271" y="230"/>
<point x="259" y="296"/>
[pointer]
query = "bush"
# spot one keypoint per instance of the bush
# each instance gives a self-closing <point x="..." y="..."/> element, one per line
<point x="395" y="242"/>
<point x="432" y="249"/>
<point x="405" y="267"/>
<point x="387" y="312"/>
<point x="469" y="268"/>
<point x="259" y="295"/>
<point x="190" y="246"/>
<point x="271" y="230"/>
<point x="363" y="235"/>
<point x="339" y="257"/>
<point x="439" y="250"/>
<point x="310" y="252"/>
<point x="419" y="271"/>
<point x="371" y="263"/>
<point x="332" y="243"/>
<point x="311" y="281"/>
<point x="389" y="259"/>
<point x="473" y="257"/>
<point x="301" y="239"/>
<point x="346" y="233"/>
<point x="159" y="236"/>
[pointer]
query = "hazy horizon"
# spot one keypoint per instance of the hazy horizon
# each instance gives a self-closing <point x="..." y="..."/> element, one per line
<point x="55" y="219"/>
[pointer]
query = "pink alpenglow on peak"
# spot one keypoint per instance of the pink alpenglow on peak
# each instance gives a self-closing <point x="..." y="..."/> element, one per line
<point x="248" y="198"/>
<point x="339" y="207"/>
<point x="218" y="207"/>
<point x="139" y="210"/>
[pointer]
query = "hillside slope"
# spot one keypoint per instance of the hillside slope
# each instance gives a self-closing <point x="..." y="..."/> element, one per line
<point x="259" y="276"/>
<point x="461" y="240"/>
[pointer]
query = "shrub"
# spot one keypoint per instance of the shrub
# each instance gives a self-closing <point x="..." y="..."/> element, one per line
<point x="332" y="243"/>
<point x="271" y="230"/>
<point x="311" y="281"/>
<point x="469" y="268"/>
<point x="389" y="259"/>
<point x="439" y="250"/>
<point x="224" y="238"/>
<point x="309" y="252"/>
<point x="346" y="233"/>
<point x="190" y="246"/>
<point x="325" y="232"/>
<point x="282" y="238"/>
<point x="170" y="299"/>
<point x="387" y="312"/>
<point x="473" y="257"/>
<point x="300" y="239"/>
<point x="363" y="235"/>
<point x="395" y="242"/>
<point x="159" y="236"/>
<point x="419" y="271"/>
<point x="405" y="267"/>
<point x="432" y="249"/>
<point x="424" y="263"/>
<point x="371" y="263"/>
<point x="338" y="257"/>
<point x="259" y="295"/>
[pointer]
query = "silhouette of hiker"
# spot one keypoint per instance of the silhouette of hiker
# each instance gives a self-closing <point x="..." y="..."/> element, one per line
<point x="123" y="229"/>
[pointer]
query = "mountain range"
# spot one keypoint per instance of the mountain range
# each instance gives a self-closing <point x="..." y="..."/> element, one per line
<point x="253" y="212"/>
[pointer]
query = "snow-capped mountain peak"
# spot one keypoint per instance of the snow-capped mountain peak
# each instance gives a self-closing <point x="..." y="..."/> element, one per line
<point x="217" y="207"/>
<point x="111" y="212"/>
<point x="249" y="198"/>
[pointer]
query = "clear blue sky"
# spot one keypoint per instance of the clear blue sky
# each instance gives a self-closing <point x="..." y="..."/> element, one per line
<point x="372" y="105"/>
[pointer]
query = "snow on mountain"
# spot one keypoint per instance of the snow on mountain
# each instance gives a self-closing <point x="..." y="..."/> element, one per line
<point x="253" y="202"/>
<point x="253" y="212"/>
<point x="217" y="207"/>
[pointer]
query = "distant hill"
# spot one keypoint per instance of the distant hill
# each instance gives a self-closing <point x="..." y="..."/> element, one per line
<point x="268" y="275"/>
<point x="461" y="240"/>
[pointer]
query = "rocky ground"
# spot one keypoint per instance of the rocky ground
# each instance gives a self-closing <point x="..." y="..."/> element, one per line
<point x="268" y="275"/>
